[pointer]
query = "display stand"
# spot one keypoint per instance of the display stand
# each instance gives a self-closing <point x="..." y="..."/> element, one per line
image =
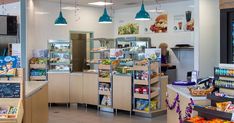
<point x="147" y="88"/>
<point x="224" y="79"/>
<point x="11" y="94"/>
<point x="105" y="87"/>
<point x="42" y="67"/>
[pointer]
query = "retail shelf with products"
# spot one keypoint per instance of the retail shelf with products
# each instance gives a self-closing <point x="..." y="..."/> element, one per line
<point x="146" y="86"/>
<point x="212" y="114"/>
<point x="221" y="106"/>
<point x="11" y="104"/>
<point x="105" y="87"/>
<point x="38" y="69"/>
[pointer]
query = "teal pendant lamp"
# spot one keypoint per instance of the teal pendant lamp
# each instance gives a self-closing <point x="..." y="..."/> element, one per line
<point x="142" y="14"/>
<point x="105" y="18"/>
<point x="60" y="21"/>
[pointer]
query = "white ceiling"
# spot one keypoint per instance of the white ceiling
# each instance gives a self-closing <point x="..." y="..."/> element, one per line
<point x="117" y="3"/>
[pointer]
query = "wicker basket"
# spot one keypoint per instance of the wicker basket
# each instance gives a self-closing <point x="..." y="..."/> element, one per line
<point x="200" y="92"/>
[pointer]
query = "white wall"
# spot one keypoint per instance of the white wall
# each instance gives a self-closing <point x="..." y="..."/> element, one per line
<point x="172" y="38"/>
<point x="209" y="36"/>
<point x="45" y="28"/>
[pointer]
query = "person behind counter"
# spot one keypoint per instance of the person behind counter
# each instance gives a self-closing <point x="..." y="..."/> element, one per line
<point x="165" y="57"/>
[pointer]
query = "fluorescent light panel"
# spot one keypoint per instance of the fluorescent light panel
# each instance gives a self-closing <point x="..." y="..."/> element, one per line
<point x="68" y="8"/>
<point x="100" y="3"/>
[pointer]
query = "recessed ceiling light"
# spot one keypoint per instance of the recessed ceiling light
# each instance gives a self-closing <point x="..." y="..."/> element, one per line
<point x="100" y="3"/>
<point x="156" y="10"/>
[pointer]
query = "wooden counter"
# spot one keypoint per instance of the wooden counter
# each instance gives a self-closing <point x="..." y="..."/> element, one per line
<point x="184" y="95"/>
<point x="36" y="102"/>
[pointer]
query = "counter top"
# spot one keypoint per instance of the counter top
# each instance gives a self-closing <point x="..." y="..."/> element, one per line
<point x="32" y="87"/>
<point x="184" y="92"/>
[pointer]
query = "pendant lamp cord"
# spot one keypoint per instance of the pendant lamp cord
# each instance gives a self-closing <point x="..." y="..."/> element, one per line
<point x="105" y="3"/>
<point x="60" y="5"/>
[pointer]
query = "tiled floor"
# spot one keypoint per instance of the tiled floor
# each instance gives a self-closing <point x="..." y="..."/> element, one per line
<point x="81" y="115"/>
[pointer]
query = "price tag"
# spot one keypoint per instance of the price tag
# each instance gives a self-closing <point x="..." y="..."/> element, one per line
<point x="232" y="117"/>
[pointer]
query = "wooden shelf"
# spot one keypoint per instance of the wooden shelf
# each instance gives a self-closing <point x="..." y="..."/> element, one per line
<point x="140" y="111"/>
<point x="146" y="96"/>
<point x="38" y="66"/>
<point x="38" y="78"/>
<point x="106" y="93"/>
<point x="19" y="114"/>
<point x="145" y="82"/>
<point x="106" y="80"/>
<point x="104" y="67"/>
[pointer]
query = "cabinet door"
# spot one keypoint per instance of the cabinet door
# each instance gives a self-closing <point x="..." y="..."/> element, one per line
<point x="90" y="88"/>
<point x="76" y="88"/>
<point x="122" y="92"/>
<point x="40" y="106"/>
<point x="59" y="87"/>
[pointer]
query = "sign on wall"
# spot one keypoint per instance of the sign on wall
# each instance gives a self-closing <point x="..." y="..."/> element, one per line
<point x="128" y="29"/>
<point x="160" y="24"/>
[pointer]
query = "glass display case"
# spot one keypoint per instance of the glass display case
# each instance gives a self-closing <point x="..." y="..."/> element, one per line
<point x="59" y="56"/>
<point x="133" y="47"/>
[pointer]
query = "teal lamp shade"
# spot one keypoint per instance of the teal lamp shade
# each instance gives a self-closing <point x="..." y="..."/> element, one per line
<point x="105" y="18"/>
<point x="60" y="21"/>
<point x="142" y="14"/>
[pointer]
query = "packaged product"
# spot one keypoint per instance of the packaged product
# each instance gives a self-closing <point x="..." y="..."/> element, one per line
<point x="222" y="106"/>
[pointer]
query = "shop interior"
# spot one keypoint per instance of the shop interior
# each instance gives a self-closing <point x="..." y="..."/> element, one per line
<point x="102" y="61"/>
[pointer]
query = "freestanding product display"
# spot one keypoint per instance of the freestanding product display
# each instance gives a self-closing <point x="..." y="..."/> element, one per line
<point x="11" y="102"/>
<point x="38" y="69"/>
<point x="105" y="83"/>
<point x="146" y="87"/>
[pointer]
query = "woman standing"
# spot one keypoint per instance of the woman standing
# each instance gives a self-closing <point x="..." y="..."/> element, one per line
<point x="165" y="57"/>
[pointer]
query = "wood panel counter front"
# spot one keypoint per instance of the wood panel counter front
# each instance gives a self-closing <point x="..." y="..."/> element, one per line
<point x="184" y="97"/>
<point x="36" y="102"/>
